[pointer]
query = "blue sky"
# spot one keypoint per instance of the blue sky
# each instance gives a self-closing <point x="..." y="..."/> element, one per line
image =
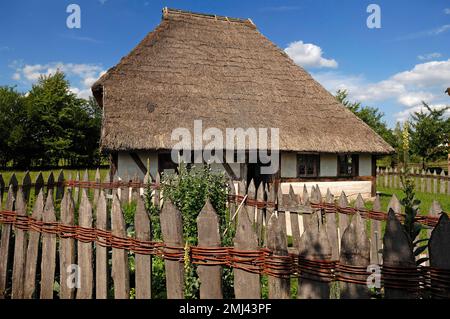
<point x="394" y="68"/>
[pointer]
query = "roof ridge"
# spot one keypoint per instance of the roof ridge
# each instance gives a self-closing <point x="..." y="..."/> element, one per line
<point x="170" y="11"/>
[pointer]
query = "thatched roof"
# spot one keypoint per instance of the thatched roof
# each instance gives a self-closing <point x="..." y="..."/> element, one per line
<point x="226" y="73"/>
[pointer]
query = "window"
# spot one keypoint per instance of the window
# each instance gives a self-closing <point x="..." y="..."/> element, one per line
<point x="308" y="165"/>
<point x="348" y="165"/>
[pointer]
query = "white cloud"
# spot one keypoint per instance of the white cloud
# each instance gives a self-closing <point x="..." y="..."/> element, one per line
<point x="429" y="56"/>
<point x="81" y="75"/>
<point x="426" y="74"/>
<point x="405" y="114"/>
<point x="309" y="55"/>
<point x="423" y="82"/>
<point x="82" y="93"/>
<point x="447" y="10"/>
<point x="411" y="99"/>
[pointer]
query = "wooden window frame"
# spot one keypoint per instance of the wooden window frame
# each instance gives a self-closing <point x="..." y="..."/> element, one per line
<point x="354" y="165"/>
<point x="314" y="159"/>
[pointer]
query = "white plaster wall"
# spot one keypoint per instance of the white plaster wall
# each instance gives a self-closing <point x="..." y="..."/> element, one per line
<point x="328" y="165"/>
<point x="126" y="164"/>
<point x="288" y="165"/>
<point x="365" y="165"/>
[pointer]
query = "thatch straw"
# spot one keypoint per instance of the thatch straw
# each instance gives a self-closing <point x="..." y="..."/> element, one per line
<point x="226" y="73"/>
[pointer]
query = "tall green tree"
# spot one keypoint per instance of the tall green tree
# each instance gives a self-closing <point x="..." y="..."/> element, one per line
<point x="429" y="133"/>
<point x="48" y="126"/>
<point x="12" y="123"/>
<point x="372" y="116"/>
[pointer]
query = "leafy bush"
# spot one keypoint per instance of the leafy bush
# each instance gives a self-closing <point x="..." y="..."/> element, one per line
<point x="188" y="190"/>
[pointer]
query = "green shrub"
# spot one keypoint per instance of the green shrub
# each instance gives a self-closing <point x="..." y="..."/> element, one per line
<point x="188" y="190"/>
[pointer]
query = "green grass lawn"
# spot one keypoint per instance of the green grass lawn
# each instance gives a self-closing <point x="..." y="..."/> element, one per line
<point x="426" y="199"/>
<point x="33" y="174"/>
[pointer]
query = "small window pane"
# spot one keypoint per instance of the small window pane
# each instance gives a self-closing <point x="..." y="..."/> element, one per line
<point x="308" y="165"/>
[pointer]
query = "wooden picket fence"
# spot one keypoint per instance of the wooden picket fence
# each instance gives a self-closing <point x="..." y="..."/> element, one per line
<point x="332" y="243"/>
<point x="425" y="181"/>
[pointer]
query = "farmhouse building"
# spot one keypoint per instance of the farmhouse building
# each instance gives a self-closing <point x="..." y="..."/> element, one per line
<point x="224" y="72"/>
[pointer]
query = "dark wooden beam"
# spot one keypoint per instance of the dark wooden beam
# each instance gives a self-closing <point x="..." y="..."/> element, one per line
<point x="138" y="162"/>
<point x="113" y="164"/>
<point x="374" y="176"/>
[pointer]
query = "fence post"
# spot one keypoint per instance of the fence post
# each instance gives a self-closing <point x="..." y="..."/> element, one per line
<point x="429" y="177"/>
<point x="33" y="248"/>
<point x="76" y="192"/>
<point x="96" y="189"/>
<point x="85" y="249"/>
<point x="306" y="218"/>
<point x="314" y="245"/>
<point x="376" y="240"/>
<point x="295" y="227"/>
<point x="416" y="172"/>
<point x="343" y="218"/>
<point x="172" y="233"/>
<point x="143" y="262"/>
<point x="395" y="178"/>
<point x="434" y="211"/>
<point x="120" y="272"/>
<point x="14" y="183"/>
<point x="60" y="185"/>
<point x="397" y="252"/>
<point x="26" y="186"/>
<point x="332" y="229"/>
<point x="279" y="287"/>
<point x="135" y="191"/>
<point x="260" y="213"/>
<point x="101" y="253"/>
<point x="157" y="199"/>
<point x="246" y="284"/>
<point x="20" y="246"/>
<point x="435" y="182"/>
<point x="281" y="214"/>
<point x="442" y="182"/>
<point x="386" y="178"/>
<point x="394" y="204"/>
<point x="209" y="236"/>
<point x="67" y="247"/>
<point x="251" y="192"/>
<point x="422" y="181"/>
<point x="232" y="202"/>
<point x="355" y="252"/>
<point x="50" y="184"/>
<point x="439" y="248"/>
<point x="125" y="192"/>
<point x="48" y="263"/>
<point x="4" y="244"/>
